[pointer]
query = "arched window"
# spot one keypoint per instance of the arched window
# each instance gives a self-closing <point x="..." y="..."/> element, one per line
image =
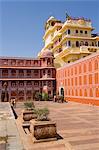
<point x="21" y="84"/>
<point x="85" y="93"/>
<point x="69" y="92"/>
<point x="13" y="72"/>
<point x="49" y="72"/>
<point x="52" y="23"/>
<point x="13" y="84"/>
<point x="85" y="32"/>
<point x="97" y="92"/>
<point x="96" y="64"/>
<point x="72" y="92"/>
<point x="90" y="79"/>
<point x="59" y="39"/>
<point x="81" y="31"/>
<point x="69" y="43"/>
<point x="92" y="43"/>
<point x="86" y="43"/>
<point x="96" y="78"/>
<point x="81" y="43"/>
<point x="13" y="62"/>
<point x="28" y="83"/>
<point x="28" y="93"/>
<point x="91" y="92"/>
<point x="77" y="44"/>
<point x="80" y="92"/>
<point x="76" y="31"/>
<point x="48" y="61"/>
<point x="62" y="91"/>
<point x="76" y="70"/>
<point x="13" y="93"/>
<point x="84" y="68"/>
<point x="76" y="92"/>
<point x="80" y="68"/>
<point x="28" y="72"/>
<point x="21" y="93"/>
<point x="68" y="31"/>
<point x="90" y="66"/>
<point x="4" y="72"/>
<point x="98" y="43"/>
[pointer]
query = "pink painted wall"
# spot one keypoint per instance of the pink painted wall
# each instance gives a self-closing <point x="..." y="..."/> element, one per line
<point x="80" y="80"/>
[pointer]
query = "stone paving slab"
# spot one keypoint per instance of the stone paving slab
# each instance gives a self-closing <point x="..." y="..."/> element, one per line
<point x="8" y="129"/>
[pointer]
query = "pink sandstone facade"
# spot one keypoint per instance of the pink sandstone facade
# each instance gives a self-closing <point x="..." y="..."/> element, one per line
<point x="80" y="80"/>
<point x="25" y="76"/>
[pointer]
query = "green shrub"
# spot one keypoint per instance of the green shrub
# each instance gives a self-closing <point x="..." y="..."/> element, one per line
<point x="61" y="97"/>
<point x="42" y="114"/>
<point x="38" y="96"/>
<point x="29" y="105"/>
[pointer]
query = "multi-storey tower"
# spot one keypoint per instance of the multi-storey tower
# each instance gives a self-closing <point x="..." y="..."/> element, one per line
<point x="71" y="40"/>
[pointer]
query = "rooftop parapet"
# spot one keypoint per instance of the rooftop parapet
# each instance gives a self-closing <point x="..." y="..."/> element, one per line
<point x="77" y="21"/>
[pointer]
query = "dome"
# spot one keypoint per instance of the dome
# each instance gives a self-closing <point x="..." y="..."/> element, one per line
<point x="51" y="18"/>
<point x="47" y="53"/>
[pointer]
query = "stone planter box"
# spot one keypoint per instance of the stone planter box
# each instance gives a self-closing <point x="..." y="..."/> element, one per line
<point x="43" y="130"/>
<point x="28" y="115"/>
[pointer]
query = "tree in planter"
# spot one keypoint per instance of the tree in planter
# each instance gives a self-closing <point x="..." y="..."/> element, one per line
<point x="45" y="96"/>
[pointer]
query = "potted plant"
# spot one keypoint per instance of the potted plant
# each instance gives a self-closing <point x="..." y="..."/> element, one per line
<point x="29" y="105"/>
<point x="42" y="128"/>
<point x="61" y="98"/>
<point x="42" y="114"/>
<point x="29" y="112"/>
<point x="50" y="98"/>
<point x="45" y="96"/>
<point x="38" y="96"/>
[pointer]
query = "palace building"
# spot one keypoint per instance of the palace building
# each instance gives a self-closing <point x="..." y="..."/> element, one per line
<point x="70" y="47"/>
<point x="70" y="40"/>
<point x="24" y="76"/>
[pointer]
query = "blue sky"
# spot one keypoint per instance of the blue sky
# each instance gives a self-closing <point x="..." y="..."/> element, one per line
<point x="22" y="22"/>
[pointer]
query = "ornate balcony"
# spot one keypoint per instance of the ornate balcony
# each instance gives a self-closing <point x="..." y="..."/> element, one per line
<point x="89" y="49"/>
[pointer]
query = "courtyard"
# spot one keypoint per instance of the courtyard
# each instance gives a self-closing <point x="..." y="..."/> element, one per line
<point x="77" y="126"/>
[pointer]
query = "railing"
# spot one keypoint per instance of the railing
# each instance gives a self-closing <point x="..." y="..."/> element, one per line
<point x="19" y="65"/>
<point x="89" y="48"/>
<point x="19" y="77"/>
<point x="4" y="75"/>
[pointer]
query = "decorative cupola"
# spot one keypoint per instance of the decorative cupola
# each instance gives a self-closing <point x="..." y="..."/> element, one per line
<point x="47" y="57"/>
<point x="51" y="22"/>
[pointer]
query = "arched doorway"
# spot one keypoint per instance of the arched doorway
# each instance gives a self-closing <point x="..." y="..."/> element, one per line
<point x="77" y="44"/>
<point x="61" y="91"/>
<point x="61" y="94"/>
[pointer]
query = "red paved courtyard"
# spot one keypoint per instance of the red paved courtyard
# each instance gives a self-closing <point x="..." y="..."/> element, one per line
<point x="77" y="124"/>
